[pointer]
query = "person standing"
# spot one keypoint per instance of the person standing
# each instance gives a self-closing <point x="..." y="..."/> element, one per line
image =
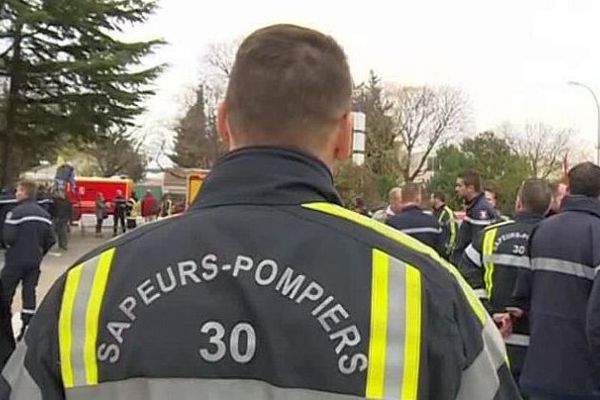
<point x="63" y="215"/>
<point x="267" y="288"/>
<point x="150" y="208"/>
<point x="133" y="210"/>
<point x="556" y="292"/>
<point x="447" y="220"/>
<point x="412" y="221"/>
<point x="491" y="195"/>
<point x="492" y="262"/>
<point x="119" y="204"/>
<point x="166" y="206"/>
<point x="479" y="212"/>
<point x="394" y="206"/>
<point x="29" y="235"/>
<point x="101" y="213"/>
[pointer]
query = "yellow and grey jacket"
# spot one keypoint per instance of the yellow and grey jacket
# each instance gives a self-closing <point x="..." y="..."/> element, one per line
<point x="265" y="289"/>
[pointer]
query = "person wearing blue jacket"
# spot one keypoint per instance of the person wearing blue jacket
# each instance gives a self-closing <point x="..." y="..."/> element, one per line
<point x="555" y="292"/>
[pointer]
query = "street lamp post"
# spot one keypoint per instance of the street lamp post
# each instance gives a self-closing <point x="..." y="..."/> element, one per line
<point x="589" y="89"/>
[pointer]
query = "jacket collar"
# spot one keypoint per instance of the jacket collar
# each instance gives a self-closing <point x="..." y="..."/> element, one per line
<point x="267" y="175"/>
<point x="479" y="197"/>
<point x="528" y="217"/>
<point x="581" y="204"/>
<point x="411" y="208"/>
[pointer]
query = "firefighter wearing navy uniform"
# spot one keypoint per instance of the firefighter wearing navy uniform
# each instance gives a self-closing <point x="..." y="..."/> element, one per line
<point x="479" y="212"/>
<point x="556" y="292"/>
<point x="447" y="221"/>
<point x="266" y="288"/>
<point x="413" y="221"/>
<point x="491" y="263"/>
<point x="29" y="236"/>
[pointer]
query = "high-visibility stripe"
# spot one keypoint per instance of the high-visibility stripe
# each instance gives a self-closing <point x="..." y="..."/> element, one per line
<point x="197" y="388"/>
<point x="479" y="222"/>
<point x="517" y="340"/>
<point x="93" y="315"/>
<point x="489" y="237"/>
<point x="413" y="244"/>
<point x="79" y="319"/>
<point x="563" y="267"/>
<point x="378" y="337"/>
<point x="473" y="255"/>
<point x="508" y="260"/>
<point x="412" y="349"/>
<point x="395" y="338"/>
<point x="27" y="219"/>
<point x="409" y="231"/>
<point x="453" y="230"/>
<point x="65" y="325"/>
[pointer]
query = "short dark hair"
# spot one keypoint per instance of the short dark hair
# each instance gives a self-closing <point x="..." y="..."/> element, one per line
<point x="439" y="195"/>
<point x="536" y="195"/>
<point x="29" y="187"/>
<point x="584" y="180"/>
<point x="472" y="178"/>
<point x="288" y="83"/>
<point x="410" y="192"/>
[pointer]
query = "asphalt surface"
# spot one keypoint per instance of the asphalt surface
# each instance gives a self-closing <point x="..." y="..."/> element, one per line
<point x="55" y="264"/>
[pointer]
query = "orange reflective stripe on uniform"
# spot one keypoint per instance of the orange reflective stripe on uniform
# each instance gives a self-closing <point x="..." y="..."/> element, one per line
<point x="79" y="319"/>
<point x="340" y="212"/>
<point x="395" y="340"/>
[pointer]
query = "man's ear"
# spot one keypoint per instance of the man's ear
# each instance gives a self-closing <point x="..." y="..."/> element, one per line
<point x="343" y="145"/>
<point x="223" y="125"/>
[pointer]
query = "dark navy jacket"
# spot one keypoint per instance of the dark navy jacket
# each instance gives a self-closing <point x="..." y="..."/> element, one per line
<point x="564" y="252"/>
<point x="423" y="227"/>
<point x="491" y="264"/>
<point x="479" y="215"/>
<point x="28" y="234"/>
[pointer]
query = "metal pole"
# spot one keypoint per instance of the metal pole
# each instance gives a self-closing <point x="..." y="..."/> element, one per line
<point x="589" y="89"/>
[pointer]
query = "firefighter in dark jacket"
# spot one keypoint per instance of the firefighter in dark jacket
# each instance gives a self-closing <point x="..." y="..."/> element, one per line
<point x="447" y="221"/>
<point x="412" y="221"/>
<point x="479" y="212"/>
<point x="491" y="263"/>
<point x="555" y="294"/>
<point x="120" y="212"/>
<point x="266" y="288"/>
<point x="29" y="235"/>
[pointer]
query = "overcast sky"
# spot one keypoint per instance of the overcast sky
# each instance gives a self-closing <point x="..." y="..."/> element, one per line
<point x="512" y="57"/>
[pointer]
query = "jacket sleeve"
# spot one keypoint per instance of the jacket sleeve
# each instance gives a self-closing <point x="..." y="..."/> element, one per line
<point x="49" y="239"/>
<point x="521" y="295"/>
<point x="9" y="231"/>
<point x="33" y="371"/>
<point x="593" y="321"/>
<point x="471" y="267"/>
<point x="486" y="373"/>
<point x="446" y="233"/>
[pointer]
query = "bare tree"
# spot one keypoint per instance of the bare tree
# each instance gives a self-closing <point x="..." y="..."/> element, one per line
<point x="119" y="152"/>
<point x="542" y="145"/>
<point x="423" y="118"/>
<point x="220" y="57"/>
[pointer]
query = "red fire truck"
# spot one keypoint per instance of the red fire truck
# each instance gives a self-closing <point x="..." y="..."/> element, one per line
<point x="84" y="197"/>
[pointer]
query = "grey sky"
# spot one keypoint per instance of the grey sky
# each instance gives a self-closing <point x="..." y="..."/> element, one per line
<point x="512" y="57"/>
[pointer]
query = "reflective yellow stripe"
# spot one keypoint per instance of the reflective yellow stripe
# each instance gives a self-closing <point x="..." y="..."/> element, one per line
<point x="452" y="221"/>
<point x="92" y="319"/>
<point x="489" y="237"/>
<point x="65" y="325"/>
<point x="335" y="210"/>
<point x="378" y="337"/>
<point x="412" y="346"/>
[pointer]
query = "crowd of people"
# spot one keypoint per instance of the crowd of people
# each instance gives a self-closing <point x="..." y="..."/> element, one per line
<point x="535" y="273"/>
<point x="268" y="289"/>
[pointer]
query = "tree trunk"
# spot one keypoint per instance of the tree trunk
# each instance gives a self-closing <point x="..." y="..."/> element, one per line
<point x="9" y="170"/>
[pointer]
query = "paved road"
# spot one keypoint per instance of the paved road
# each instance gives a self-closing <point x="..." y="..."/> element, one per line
<point x="54" y="265"/>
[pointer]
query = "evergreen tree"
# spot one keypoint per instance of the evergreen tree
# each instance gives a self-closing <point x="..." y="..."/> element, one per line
<point x="197" y="144"/>
<point x="69" y="74"/>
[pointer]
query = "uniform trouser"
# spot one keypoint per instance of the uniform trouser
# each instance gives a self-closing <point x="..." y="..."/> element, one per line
<point x="62" y="228"/>
<point x="29" y="275"/>
<point x="119" y="219"/>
